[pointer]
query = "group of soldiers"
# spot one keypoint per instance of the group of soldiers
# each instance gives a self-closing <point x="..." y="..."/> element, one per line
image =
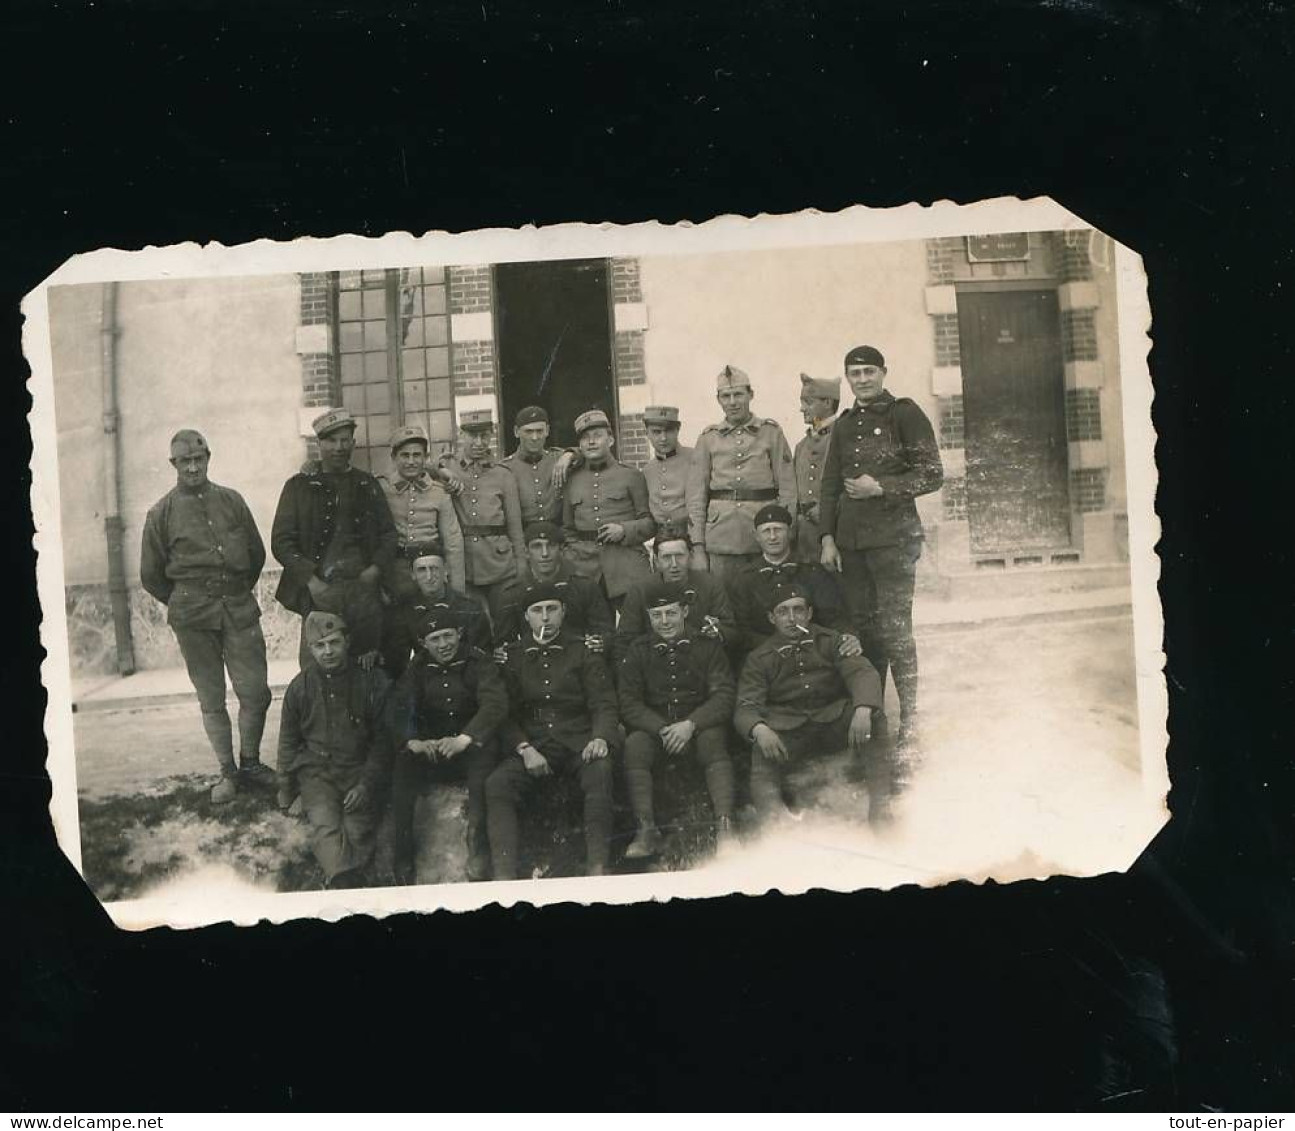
<point x="497" y="623"/>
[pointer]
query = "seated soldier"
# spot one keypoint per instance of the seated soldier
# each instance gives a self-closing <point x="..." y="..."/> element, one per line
<point x="799" y="696"/>
<point x="429" y="589"/>
<point x="751" y="586"/>
<point x="445" y="711"/>
<point x="587" y="611"/>
<point x="676" y="693"/>
<point x="709" y="611"/>
<point x="334" y="750"/>
<point x="563" y="720"/>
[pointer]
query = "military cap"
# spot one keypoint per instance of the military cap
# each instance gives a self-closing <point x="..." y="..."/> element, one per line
<point x="772" y="512"/>
<point x="818" y="387"/>
<point x="427" y="557"/>
<point x="731" y="377"/>
<point x="477" y="420"/>
<point x="787" y="592"/>
<point x="319" y="625"/>
<point x="865" y="355"/>
<point x="550" y="531"/>
<point x="331" y="421"/>
<point x="594" y="418"/>
<point x="541" y="591"/>
<point x="657" y="594"/>
<point x="189" y="442"/>
<point x="407" y="433"/>
<point x="661" y="414"/>
<point x="531" y="414"/>
<point x="436" y="618"/>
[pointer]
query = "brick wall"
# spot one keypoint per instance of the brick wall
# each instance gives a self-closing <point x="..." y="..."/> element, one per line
<point x="953" y="496"/>
<point x="940" y="255"/>
<point x="1071" y="257"/>
<point x="318" y="370"/>
<point x="632" y="445"/>
<point x="953" y="431"/>
<point x="1088" y="489"/>
<point x="474" y="368"/>
<point x="469" y="290"/>
<point x="947" y="347"/>
<point x="625" y="281"/>
<point x="1083" y="414"/>
<point x="629" y="358"/>
<point x="1078" y="335"/>
<point x="316" y="301"/>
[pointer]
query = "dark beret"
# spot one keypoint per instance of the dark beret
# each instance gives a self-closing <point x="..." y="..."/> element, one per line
<point x="774" y="512"/>
<point x="548" y="530"/>
<point x="531" y="414"/>
<point x="865" y="355"/>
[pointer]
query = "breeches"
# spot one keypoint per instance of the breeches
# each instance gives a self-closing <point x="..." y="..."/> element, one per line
<point x="341" y="841"/>
<point x="878" y="584"/>
<point x="413" y="775"/>
<point x="810" y="739"/>
<point x="709" y="747"/>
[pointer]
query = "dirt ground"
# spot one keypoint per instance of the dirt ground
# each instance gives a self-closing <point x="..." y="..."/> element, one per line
<point x="1031" y="766"/>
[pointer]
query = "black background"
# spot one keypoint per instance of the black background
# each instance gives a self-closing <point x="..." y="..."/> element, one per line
<point x="1167" y="125"/>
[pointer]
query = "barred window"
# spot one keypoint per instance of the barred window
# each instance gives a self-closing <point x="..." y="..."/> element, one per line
<point x="393" y="357"/>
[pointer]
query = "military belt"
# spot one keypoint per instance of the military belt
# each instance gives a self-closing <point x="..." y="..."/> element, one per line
<point x="555" y="715"/>
<point x="745" y="494"/>
<point x="213" y="587"/>
<point x="485" y="531"/>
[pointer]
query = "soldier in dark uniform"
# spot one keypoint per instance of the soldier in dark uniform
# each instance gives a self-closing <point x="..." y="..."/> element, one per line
<point x="431" y="590"/>
<point x="445" y="710"/>
<point x="563" y="720"/>
<point x="819" y="401"/>
<point x="540" y="471"/>
<point x="490" y="513"/>
<point x="883" y="455"/>
<point x="605" y="515"/>
<point x="750" y="587"/>
<point x="201" y="556"/>
<point x="708" y="609"/>
<point x="587" y="613"/>
<point x="335" y="750"/>
<point x="666" y="472"/>
<point x="334" y="537"/>
<point x="676" y="695"/>
<point x="798" y="696"/>
<point x="737" y="467"/>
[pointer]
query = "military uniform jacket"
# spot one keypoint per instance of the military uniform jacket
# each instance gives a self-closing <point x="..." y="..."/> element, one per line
<point x="476" y="618"/>
<point x="785" y="685"/>
<point x="201" y="554"/>
<point x="667" y="484"/>
<point x="707" y="597"/>
<point x="587" y="610"/>
<point x="336" y="721"/>
<point x="664" y="682"/>
<point x="594" y="496"/>
<point x="810" y="460"/>
<point x="433" y="700"/>
<point x="753" y="456"/>
<point x="490" y="513"/>
<point x="424" y="515"/>
<point x="560" y="692"/>
<point x="752" y="586"/>
<point x="306" y="534"/>
<point x="891" y="440"/>
<point x="541" y="502"/>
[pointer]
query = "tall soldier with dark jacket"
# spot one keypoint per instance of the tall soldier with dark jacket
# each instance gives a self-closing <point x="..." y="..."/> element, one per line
<point x="563" y="721"/>
<point x="201" y="556"/>
<point x="676" y="695"/>
<point x="335" y="539"/>
<point x="882" y="456"/>
<point x="445" y="711"/>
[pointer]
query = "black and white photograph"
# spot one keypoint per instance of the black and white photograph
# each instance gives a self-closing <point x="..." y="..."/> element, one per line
<point x="599" y="564"/>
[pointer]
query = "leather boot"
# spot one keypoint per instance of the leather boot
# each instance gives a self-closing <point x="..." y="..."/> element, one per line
<point x="478" y="854"/>
<point x="225" y="790"/>
<point x="647" y="842"/>
<point x="255" y="772"/>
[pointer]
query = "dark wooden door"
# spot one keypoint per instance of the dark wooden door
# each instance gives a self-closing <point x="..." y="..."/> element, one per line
<point x="1013" y="389"/>
<point x="555" y="345"/>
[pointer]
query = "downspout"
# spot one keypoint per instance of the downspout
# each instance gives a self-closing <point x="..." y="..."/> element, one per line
<point x="113" y="526"/>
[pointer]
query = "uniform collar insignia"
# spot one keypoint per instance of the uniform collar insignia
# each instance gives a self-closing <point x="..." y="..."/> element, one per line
<point x="788" y="649"/>
<point x="664" y="646"/>
<point x="423" y="482"/>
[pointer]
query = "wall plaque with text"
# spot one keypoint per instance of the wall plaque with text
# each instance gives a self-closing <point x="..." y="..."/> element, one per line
<point x="1001" y="247"/>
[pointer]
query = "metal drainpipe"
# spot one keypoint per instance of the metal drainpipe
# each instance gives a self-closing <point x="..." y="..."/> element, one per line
<point x="113" y="526"/>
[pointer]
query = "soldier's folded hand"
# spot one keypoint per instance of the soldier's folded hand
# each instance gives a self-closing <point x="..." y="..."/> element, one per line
<point x="450" y="480"/>
<point x="860" y="728"/>
<point x="849" y="645"/>
<point x="500" y="654"/>
<point x="677" y="735"/>
<point x="768" y="743"/>
<point x="830" y="556"/>
<point x="594" y="749"/>
<point x="368" y="660"/>
<point x="862" y="487"/>
<point x="700" y="559"/>
<point x="357" y="797"/>
<point x="611" y="532"/>
<point x="710" y="627"/>
<point x="534" y="761"/>
<point x="594" y="643"/>
<point x="561" y="469"/>
<point x="454" y="745"/>
<point x="423" y="746"/>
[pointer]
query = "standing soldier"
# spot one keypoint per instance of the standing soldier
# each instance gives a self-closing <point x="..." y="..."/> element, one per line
<point x="334" y="537"/>
<point x="605" y="514"/>
<point x="201" y="556"/>
<point x="883" y="455"/>
<point x="540" y="471"/>
<point x="445" y="711"/>
<point x="819" y="401"/>
<point x="335" y="750"/>
<point x="798" y="696"/>
<point x="676" y="693"/>
<point x="667" y="471"/>
<point x="737" y="467"/>
<point x="490" y="512"/>
<point x="563" y="721"/>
